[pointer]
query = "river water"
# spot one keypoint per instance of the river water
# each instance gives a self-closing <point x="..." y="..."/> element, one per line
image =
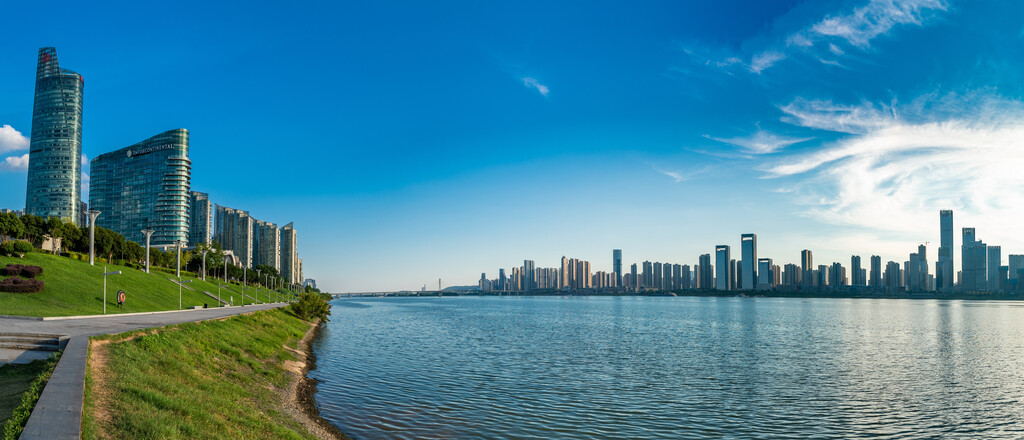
<point x="655" y="367"/>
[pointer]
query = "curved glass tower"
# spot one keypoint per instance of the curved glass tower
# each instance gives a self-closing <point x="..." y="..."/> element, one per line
<point x="144" y="186"/>
<point x="55" y="151"/>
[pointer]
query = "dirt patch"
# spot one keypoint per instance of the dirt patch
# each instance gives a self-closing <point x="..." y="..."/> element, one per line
<point x="298" y="398"/>
<point x="97" y="365"/>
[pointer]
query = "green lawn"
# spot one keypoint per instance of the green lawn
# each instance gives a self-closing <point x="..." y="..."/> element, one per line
<point x="20" y="386"/>
<point x="212" y="380"/>
<point x="75" y="288"/>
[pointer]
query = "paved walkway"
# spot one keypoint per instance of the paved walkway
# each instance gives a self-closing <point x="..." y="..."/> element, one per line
<point x="58" y="414"/>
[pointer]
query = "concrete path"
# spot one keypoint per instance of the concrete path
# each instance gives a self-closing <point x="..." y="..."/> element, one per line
<point x="58" y="414"/>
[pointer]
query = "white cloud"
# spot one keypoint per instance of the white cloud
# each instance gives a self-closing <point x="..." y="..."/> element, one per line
<point x="854" y="28"/>
<point x="899" y="164"/>
<point x="675" y="175"/>
<point x="15" y="163"/>
<point x="761" y="142"/>
<point x="11" y="139"/>
<point x="85" y="183"/>
<point x="532" y="83"/>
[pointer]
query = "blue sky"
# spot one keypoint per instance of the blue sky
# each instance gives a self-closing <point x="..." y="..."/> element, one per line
<point x="412" y="141"/>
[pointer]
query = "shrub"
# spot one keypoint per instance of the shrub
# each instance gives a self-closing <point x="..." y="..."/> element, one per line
<point x="12" y="270"/>
<point x="311" y="306"/>
<point x="7" y="248"/>
<point x="31" y="271"/>
<point x="21" y="285"/>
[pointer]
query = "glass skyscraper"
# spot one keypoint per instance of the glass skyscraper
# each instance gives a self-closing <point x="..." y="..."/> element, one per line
<point x="144" y="186"/>
<point x="200" y="228"/>
<point x="55" y="150"/>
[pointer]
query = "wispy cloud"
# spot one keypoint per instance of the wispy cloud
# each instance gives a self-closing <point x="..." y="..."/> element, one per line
<point x="12" y="140"/>
<point x="761" y="142"/>
<point x="532" y="83"/>
<point x="15" y="163"/>
<point x="832" y="35"/>
<point x="898" y="164"/>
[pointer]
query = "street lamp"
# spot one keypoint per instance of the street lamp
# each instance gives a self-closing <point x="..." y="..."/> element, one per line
<point x="221" y="296"/>
<point x="244" y="280"/>
<point x="116" y="272"/>
<point x="257" y="286"/>
<point x="180" y="284"/>
<point x="204" y="251"/>
<point x="179" y="243"/>
<point x="149" y="233"/>
<point x="92" y="236"/>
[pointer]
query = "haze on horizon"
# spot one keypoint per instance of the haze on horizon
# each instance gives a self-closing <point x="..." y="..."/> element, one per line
<point x="413" y="142"/>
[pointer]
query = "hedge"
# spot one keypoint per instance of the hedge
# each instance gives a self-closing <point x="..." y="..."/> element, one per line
<point x="21" y="285"/>
<point x="26" y="271"/>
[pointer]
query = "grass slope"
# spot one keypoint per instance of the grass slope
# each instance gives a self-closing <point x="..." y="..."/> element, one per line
<point x="75" y="288"/>
<point x="20" y="386"/>
<point x="211" y="380"/>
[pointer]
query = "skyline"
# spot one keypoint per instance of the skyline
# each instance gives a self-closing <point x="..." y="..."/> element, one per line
<point x="661" y="132"/>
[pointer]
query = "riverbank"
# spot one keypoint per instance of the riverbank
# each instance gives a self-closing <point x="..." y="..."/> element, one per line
<point x="238" y="377"/>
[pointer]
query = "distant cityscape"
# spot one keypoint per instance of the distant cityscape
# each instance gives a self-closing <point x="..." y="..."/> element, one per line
<point x="981" y="272"/>
<point x="139" y="190"/>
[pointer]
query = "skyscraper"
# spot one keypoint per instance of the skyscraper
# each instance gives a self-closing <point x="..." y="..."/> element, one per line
<point x="634" y="277"/>
<point x="973" y="258"/>
<point x="876" y="271"/>
<point x="723" y="277"/>
<point x="55" y="149"/>
<point x="806" y="267"/>
<point x="856" y="273"/>
<point x="266" y="240"/>
<point x="658" y="276"/>
<point x="994" y="258"/>
<point x="706" y="275"/>
<point x="617" y="266"/>
<point x="529" y="283"/>
<point x="289" y="253"/>
<point x="234" y="231"/>
<point x="200" y="224"/>
<point x="944" y="274"/>
<point x="145" y="185"/>
<point x="765" y="278"/>
<point x="749" y="254"/>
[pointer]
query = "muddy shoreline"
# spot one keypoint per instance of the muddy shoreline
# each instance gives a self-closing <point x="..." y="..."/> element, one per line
<point x="305" y="390"/>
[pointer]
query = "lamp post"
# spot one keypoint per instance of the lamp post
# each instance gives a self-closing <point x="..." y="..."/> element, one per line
<point x="204" y="252"/>
<point x="225" y="268"/>
<point x="257" y="286"/>
<point x="116" y="272"/>
<point x="180" y="284"/>
<point x="92" y="236"/>
<point x="149" y="233"/>
<point x="178" y="271"/>
<point x="266" y="285"/>
<point x="244" y="280"/>
<point x="222" y="297"/>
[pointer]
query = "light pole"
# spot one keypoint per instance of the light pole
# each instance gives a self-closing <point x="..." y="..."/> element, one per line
<point x="180" y="284"/>
<point x="178" y="271"/>
<point x="149" y="233"/>
<point x="257" y="286"/>
<point x="116" y="272"/>
<point x="225" y="268"/>
<point x="222" y="297"/>
<point x="204" y="251"/>
<point x="244" y="280"/>
<point x="92" y="236"/>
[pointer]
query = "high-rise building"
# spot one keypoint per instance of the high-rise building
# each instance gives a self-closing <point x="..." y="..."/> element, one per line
<point x="892" y="276"/>
<point x="200" y="225"/>
<point x="723" y="277"/>
<point x="658" y="276"/>
<point x="502" y="281"/>
<point x="765" y="278"/>
<point x="944" y="271"/>
<point x="994" y="259"/>
<point x="234" y="231"/>
<point x="806" y="267"/>
<point x="634" y="277"/>
<point x="749" y="266"/>
<point x="289" y="253"/>
<point x="617" y="266"/>
<point x="1016" y="265"/>
<point x="145" y="185"/>
<point x="55" y="147"/>
<point x="706" y="275"/>
<point x="973" y="258"/>
<point x="856" y="273"/>
<point x="266" y="242"/>
<point x="876" y="271"/>
<point x="529" y="283"/>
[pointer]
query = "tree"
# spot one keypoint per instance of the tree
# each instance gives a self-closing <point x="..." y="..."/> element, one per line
<point x="35" y="227"/>
<point x="104" y="242"/>
<point x="11" y="226"/>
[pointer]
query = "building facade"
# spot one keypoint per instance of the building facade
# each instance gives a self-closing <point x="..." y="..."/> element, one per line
<point x="290" y="254"/>
<point x="234" y="231"/>
<point x="944" y="271"/>
<point x="200" y="224"/>
<point x="266" y="241"/>
<point x="723" y="275"/>
<point x="54" y="186"/>
<point x="145" y="185"/>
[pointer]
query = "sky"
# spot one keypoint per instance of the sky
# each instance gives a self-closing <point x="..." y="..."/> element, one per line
<point x="412" y="142"/>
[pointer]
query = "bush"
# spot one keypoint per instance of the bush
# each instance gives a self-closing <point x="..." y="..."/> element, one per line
<point x="13" y="270"/>
<point x="7" y="248"/>
<point x="311" y="306"/>
<point x="21" y="285"/>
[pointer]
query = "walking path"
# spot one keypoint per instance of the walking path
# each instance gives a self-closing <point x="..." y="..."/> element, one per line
<point x="58" y="414"/>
